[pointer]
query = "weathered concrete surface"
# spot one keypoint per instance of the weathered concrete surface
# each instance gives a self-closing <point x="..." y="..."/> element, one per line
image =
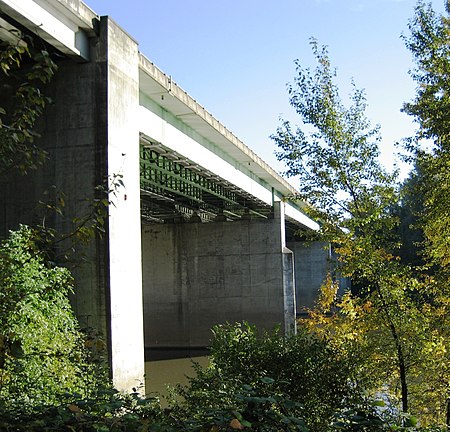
<point x="289" y="295"/>
<point x="124" y="266"/>
<point x="197" y="275"/>
<point x="312" y="263"/>
<point x="90" y="134"/>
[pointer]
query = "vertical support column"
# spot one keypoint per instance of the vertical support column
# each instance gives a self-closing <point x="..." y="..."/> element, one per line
<point x="290" y="323"/>
<point x="125" y="271"/>
<point x="287" y="257"/>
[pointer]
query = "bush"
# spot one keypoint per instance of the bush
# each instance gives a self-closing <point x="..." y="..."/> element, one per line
<point x="310" y="391"/>
<point x="299" y="368"/>
<point x="42" y="350"/>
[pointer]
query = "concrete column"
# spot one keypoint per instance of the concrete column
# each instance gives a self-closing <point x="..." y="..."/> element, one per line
<point x="289" y="323"/>
<point x="125" y="270"/>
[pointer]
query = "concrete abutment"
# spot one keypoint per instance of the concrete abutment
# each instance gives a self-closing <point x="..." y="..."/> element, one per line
<point x="91" y="137"/>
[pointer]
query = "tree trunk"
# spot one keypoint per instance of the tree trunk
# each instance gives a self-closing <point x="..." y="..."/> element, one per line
<point x="400" y="356"/>
<point x="402" y="369"/>
<point x="447" y="416"/>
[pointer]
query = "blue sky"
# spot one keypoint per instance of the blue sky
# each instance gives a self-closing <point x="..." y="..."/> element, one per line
<point x="236" y="56"/>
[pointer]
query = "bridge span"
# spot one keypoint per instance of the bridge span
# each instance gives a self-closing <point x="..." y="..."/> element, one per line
<point x="202" y="232"/>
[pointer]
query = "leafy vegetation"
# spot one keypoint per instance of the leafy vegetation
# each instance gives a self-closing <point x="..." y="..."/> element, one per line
<point x="430" y="45"/>
<point x="43" y="354"/>
<point x="235" y="392"/>
<point x="300" y="372"/>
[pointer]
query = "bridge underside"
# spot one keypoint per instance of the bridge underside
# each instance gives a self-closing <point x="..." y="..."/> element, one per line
<point x="175" y="189"/>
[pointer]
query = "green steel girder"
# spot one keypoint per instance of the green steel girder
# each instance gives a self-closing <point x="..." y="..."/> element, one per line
<point x="161" y="174"/>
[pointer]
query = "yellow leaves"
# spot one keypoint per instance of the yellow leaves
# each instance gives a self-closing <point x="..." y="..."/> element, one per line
<point x="350" y="306"/>
<point x="328" y="293"/>
<point x="236" y="424"/>
<point x="367" y="306"/>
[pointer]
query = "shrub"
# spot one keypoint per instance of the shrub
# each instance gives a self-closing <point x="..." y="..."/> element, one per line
<point x="42" y="350"/>
<point x="300" y="368"/>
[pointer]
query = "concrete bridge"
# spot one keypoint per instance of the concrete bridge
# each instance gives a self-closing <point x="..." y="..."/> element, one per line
<point x="200" y="233"/>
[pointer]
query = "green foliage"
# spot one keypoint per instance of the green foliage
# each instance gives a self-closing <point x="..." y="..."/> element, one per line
<point x="386" y="325"/>
<point x="106" y="410"/>
<point x="218" y="400"/>
<point x="429" y="43"/>
<point x="111" y="411"/>
<point x="299" y="368"/>
<point x="24" y="72"/>
<point x="370" y="418"/>
<point x="42" y="351"/>
<point x="410" y="229"/>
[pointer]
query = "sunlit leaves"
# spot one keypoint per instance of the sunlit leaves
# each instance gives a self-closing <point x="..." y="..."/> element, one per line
<point x="334" y="152"/>
<point x="387" y="323"/>
<point x="265" y="378"/>
<point x="42" y="352"/>
<point x="24" y="72"/>
<point x="429" y="43"/>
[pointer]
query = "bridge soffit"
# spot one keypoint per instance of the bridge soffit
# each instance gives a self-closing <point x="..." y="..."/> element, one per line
<point x="175" y="188"/>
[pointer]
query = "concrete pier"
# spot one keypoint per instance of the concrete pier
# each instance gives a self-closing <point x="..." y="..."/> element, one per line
<point x="196" y="275"/>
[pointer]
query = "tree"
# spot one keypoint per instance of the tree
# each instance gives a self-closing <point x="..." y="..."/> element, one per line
<point x="429" y="43"/>
<point x="334" y="155"/>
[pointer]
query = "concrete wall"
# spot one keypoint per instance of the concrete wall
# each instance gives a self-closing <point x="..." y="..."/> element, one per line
<point x="312" y="263"/>
<point x="90" y="134"/>
<point x="197" y="275"/>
